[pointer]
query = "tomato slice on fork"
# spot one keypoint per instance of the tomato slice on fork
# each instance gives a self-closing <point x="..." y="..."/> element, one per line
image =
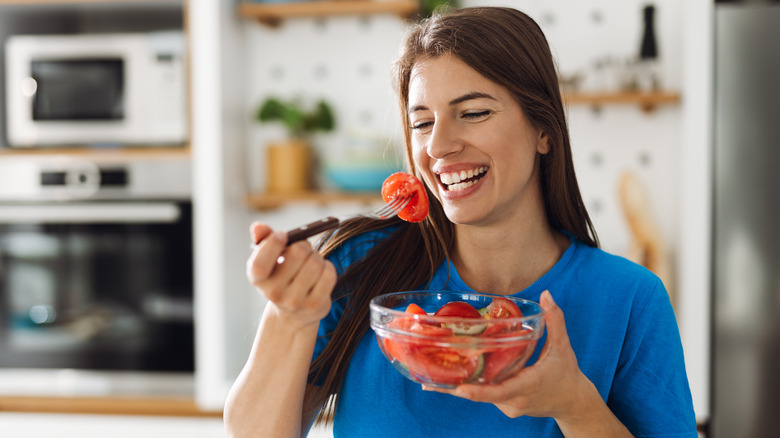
<point x="402" y="184"/>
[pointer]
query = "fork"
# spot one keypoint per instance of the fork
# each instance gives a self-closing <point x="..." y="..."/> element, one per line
<point x="387" y="211"/>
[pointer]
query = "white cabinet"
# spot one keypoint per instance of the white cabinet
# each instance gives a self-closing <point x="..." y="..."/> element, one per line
<point x="100" y="426"/>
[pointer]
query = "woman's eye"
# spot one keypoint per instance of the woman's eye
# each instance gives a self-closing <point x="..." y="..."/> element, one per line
<point x="421" y="125"/>
<point x="476" y="115"/>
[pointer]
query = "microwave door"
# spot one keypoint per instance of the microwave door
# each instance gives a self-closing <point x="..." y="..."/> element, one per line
<point x="78" y="90"/>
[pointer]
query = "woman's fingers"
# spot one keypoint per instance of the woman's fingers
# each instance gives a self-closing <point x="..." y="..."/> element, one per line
<point x="557" y="335"/>
<point x="295" y="277"/>
<point x="258" y="231"/>
<point x="262" y="262"/>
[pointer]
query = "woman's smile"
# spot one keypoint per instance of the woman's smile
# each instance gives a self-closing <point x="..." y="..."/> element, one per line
<point x="460" y="180"/>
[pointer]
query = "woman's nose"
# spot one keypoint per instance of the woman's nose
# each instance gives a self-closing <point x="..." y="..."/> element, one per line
<point x="444" y="140"/>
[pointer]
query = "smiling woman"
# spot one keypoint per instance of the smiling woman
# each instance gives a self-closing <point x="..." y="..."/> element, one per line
<point x="486" y="132"/>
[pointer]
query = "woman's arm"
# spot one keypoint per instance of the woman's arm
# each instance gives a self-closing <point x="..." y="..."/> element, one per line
<point x="267" y="399"/>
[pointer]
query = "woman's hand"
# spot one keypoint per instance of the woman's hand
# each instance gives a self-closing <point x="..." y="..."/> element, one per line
<point x="552" y="387"/>
<point x="296" y="279"/>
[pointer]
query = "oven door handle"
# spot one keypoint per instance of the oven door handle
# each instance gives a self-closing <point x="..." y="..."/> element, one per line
<point x="91" y="213"/>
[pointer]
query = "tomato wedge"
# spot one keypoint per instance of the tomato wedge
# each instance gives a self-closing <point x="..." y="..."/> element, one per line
<point x="402" y="184"/>
<point x="501" y="308"/>
<point x="498" y="361"/>
<point x="449" y="366"/>
<point x="458" y="309"/>
<point x="415" y="309"/>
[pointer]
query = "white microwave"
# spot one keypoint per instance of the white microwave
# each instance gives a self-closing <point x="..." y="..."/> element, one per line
<point x="96" y="90"/>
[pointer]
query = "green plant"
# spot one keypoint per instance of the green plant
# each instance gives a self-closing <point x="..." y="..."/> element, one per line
<point x="298" y="121"/>
<point x="428" y="7"/>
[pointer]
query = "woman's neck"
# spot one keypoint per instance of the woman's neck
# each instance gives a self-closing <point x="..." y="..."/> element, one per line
<point x="506" y="259"/>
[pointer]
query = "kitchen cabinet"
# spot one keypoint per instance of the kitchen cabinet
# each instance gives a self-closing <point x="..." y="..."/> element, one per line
<point x="84" y="16"/>
<point x="272" y="14"/>
<point x="90" y="16"/>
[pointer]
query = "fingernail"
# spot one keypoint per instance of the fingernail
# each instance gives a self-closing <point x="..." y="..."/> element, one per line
<point x="280" y="236"/>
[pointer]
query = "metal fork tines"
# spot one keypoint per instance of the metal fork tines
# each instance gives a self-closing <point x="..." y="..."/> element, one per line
<point x="386" y="211"/>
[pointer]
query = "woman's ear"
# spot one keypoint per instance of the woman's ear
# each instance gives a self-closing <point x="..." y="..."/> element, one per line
<point x="542" y="146"/>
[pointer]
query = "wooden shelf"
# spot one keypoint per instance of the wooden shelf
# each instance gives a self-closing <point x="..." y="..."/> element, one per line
<point x="272" y="14"/>
<point x="269" y="201"/>
<point x="646" y="101"/>
<point x="106" y="154"/>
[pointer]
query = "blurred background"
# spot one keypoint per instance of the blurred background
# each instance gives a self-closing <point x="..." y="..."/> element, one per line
<point x="660" y="97"/>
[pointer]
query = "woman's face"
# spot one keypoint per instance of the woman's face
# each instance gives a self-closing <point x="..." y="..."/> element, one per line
<point x="472" y="143"/>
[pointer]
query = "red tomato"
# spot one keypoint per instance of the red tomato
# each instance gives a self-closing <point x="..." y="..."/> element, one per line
<point x="401" y="184"/>
<point x="399" y="347"/>
<point x="459" y="309"/>
<point x="497" y="361"/>
<point x="415" y="309"/>
<point x="503" y="308"/>
<point x="443" y="365"/>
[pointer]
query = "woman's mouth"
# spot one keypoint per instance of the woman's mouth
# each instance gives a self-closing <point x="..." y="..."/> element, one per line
<point x="454" y="181"/>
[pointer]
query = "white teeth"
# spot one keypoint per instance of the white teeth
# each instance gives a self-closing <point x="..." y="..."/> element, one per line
<point x="453" y="180"/>
<point x="460" y="186"/>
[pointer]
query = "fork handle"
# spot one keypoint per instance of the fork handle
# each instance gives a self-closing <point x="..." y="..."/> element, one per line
<point x="312" y="228"/>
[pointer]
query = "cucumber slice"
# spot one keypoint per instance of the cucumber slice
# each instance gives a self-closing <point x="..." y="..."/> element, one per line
<point x="480" y="368"/>
<point x="466" y="330"/>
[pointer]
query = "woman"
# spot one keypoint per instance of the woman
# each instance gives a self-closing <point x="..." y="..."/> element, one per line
<point x="486" y="132"/>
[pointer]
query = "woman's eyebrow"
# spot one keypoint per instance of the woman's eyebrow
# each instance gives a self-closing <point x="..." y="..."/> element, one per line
<point x="471" y="96"/>
<point x="468" y="96"/>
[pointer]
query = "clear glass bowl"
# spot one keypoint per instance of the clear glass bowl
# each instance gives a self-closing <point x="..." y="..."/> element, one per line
<point x="446" y="351"/>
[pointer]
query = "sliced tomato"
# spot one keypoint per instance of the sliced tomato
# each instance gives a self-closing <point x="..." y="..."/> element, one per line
<point x="402" y="184"/>
<point x="399" y="346"/>
<point x="414" y="309"/>
<point x="449" y="366"/>
<point x="502" y="307"/>
<point x="459" y="309"/>
<point x="499" y="360"/>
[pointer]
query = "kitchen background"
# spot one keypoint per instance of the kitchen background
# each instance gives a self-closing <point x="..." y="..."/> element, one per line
<point x="236" y="62"/>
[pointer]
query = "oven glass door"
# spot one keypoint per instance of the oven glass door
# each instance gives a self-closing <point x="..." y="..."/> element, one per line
<point x="97" y="286"/>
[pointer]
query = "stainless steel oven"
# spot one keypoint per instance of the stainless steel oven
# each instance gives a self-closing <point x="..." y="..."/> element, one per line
<point x="96" y="265"/>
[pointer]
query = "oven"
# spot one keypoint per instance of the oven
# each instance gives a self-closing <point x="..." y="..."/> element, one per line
<point x="96" y="267"/>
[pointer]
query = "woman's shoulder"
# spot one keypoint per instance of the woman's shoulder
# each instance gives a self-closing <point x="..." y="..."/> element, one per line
<point x="597" y="266"/>
<point x="600" y="260"/>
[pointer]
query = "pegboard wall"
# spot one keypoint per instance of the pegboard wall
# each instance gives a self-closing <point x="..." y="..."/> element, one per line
<point x="347" y="60"/>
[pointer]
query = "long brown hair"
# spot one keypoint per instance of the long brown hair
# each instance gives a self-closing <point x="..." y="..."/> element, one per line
<point x="509" y="48"/>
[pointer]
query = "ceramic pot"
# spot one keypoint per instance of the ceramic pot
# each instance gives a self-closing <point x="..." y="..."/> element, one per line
<point x="289" y="165"/>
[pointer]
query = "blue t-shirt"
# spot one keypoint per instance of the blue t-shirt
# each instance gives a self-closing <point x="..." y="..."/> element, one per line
<point x="621" y="326"/>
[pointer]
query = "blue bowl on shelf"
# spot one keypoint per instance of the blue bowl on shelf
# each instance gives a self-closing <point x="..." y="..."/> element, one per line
<point x="359" y="178"/>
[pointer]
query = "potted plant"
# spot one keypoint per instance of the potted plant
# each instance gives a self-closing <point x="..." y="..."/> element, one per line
<point x="290" y="161"/>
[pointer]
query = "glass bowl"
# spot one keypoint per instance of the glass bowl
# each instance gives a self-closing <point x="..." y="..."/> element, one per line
<point x="446" y="351"/>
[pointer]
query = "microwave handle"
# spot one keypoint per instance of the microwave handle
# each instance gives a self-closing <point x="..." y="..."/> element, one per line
<point x="90" y="213"/>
